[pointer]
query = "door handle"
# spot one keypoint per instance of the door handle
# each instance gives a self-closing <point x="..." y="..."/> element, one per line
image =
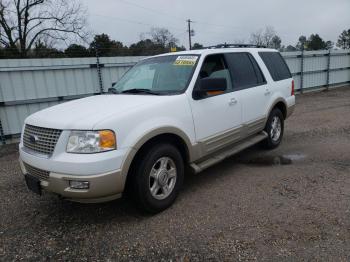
<point x="267" y="92"/>
<point x="232" y="102"/>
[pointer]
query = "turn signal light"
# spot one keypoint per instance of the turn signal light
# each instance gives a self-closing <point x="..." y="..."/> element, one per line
<point x="107" y="139"/>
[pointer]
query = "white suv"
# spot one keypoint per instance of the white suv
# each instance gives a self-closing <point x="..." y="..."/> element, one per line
<point x="192" y="108"/>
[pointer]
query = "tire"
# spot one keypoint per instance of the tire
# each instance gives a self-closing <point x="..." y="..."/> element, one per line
<point x="274" y="129"/>
<point x="161" y="167"/>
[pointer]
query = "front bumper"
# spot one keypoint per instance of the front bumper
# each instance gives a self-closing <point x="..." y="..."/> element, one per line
<point x="103" y="171"/>
<point x="102" y="187"/>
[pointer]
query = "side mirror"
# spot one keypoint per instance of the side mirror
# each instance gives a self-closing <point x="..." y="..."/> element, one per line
<point x="208" y="86"/>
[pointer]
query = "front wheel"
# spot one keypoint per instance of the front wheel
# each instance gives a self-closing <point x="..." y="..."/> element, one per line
<point x="274" y="129"/>
<point x="158" y="177"/>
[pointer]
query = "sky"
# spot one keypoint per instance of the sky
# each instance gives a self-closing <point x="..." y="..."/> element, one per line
<point x="218" y="21"/>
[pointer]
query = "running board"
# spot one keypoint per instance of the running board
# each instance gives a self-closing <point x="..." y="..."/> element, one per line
<point x="199" y="167"/>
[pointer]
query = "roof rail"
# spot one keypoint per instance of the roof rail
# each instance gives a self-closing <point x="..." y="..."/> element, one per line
<point x="233" y="46"/>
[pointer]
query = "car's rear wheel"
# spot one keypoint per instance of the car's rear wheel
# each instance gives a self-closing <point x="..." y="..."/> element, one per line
<point x="274" y="129"/>
<point x="158" y="176"/>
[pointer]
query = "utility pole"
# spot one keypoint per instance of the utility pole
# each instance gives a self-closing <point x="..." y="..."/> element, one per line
<point x="190" y="32"/>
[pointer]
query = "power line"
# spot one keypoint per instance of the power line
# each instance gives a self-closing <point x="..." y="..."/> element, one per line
<point x="189" y="30"/>
<point x="174" y="17"/>
<point x="150" y="9"/>
<point x="152" y="25"/>
<point x="132" y="21"/>
<point x="217" y="25"/>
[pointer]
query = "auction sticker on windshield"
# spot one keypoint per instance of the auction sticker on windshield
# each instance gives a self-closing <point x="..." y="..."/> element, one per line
<point x="186" y="60"/>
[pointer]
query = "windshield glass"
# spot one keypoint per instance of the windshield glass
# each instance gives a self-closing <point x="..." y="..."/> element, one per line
<point x="161" y="75"/>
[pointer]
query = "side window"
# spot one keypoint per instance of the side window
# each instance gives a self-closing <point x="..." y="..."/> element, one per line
<point x="260" y="76"/>
<point x="244" y="70"/>
<point x="276" y="65"/>
<point x="214" y="66"/>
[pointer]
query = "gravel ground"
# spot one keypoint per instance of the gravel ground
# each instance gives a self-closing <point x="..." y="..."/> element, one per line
<point x="292" y="203"/>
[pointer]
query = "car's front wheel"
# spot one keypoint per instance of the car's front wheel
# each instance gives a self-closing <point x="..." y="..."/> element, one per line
<point x="158" y="176"/>
<point x="274" y="129"/>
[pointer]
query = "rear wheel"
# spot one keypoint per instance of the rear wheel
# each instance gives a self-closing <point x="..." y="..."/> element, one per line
<point x="158" y="176"/>
<point x="274" y="129"/>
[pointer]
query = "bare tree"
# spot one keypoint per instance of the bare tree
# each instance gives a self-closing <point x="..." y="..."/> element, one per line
<point x="24" y="22"/>
<point x="269" y="35"/>
<point x="257" y="37"/>
<point x="163" y="37"/>
<point x="276" y="42"/>
<point x="266" y="37"/>
<point x="239" y="41"/>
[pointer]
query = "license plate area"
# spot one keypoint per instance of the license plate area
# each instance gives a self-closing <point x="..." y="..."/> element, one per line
<point x="33" y="184"/>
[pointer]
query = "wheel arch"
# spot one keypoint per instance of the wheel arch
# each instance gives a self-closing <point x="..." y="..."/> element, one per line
<point x="281" y="104"/>
<point x="164" y="134"/>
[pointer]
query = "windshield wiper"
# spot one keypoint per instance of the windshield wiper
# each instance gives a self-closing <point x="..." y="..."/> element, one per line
<point x="139" y="90"/>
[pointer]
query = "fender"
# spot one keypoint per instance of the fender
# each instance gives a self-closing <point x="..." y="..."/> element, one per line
<point x="276" y="101"/>
<point x="193" y="150"/>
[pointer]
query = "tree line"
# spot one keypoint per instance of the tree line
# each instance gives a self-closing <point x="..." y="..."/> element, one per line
<point x="34" y="29"/>
<point x="269" y="38"/>
<point x="160" y="41"/>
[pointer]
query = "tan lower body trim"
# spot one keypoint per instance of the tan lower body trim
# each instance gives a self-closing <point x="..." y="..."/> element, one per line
<point x="219" y="141"/>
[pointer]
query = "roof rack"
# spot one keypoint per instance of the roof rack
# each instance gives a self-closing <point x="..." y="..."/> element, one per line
<point x="234" y="46"/>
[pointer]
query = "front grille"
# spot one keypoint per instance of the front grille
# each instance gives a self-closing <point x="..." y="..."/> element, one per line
<point x="37" y="172"/>
<point x="41" y="140"/>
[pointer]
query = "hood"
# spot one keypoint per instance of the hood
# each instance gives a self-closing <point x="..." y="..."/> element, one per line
<point x="86" y="112"/>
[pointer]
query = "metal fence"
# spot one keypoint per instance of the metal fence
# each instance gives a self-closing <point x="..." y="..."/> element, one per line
<point x="29" y="85"/>
<point x="318" y="69"/>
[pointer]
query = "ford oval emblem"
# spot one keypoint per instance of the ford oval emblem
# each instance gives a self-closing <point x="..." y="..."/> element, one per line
<point x="33" y="139"/>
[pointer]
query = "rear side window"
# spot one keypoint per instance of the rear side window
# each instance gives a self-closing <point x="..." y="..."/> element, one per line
<point x="276" y="65"/>
<point x="244" y="70"/>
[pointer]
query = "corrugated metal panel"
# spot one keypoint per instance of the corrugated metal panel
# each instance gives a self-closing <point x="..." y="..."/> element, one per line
<point x="23" y="79"/>
<point x="316" y="60"/>
<point x="316" y="66"/>
<point x="293" y="61"/>
<point x="340" y="59"/>
<point x="339" y="76"/>
<point x="316" y="79"/>
<point x="27" y="79"/>
<point x="12" y="117"/>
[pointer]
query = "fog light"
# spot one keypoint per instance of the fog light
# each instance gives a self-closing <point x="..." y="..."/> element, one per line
<point x="79" y="184"/>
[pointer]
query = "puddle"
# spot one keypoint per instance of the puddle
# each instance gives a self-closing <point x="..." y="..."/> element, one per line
<point x="295" y="157"/>
<point x="276" y="160"/>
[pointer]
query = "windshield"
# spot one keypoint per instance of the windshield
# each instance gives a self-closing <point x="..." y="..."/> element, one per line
<point x="158" y="75"/>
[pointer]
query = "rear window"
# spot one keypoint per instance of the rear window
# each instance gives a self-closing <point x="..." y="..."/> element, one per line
<point x="276" y="65"/>
<point x="244" y="70"/>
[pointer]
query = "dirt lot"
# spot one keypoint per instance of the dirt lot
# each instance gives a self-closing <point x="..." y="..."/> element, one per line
<point x="246" y="208"/>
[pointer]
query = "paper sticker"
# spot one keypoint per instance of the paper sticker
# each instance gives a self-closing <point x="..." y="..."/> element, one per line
<point x="186" y="60"/>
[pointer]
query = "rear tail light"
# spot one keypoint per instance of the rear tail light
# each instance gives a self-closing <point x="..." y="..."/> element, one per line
<point x="292" y="93"/>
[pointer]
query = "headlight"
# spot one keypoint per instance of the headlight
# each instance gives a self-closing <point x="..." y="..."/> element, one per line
<point x="86" y="142"/>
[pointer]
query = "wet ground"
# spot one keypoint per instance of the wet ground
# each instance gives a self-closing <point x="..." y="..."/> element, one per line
<point x="291" y="203"/>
